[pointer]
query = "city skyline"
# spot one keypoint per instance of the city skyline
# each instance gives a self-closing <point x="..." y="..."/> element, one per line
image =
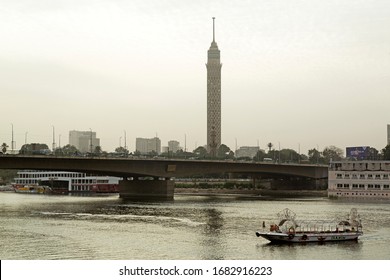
<point x="301" y="76"/>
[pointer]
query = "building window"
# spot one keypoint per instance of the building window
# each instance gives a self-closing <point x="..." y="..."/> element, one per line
<point x="354" y="176"/>
<point x="346" y="176"/>
<point x="362" y="176"/>
<point x="377" y="186"/>
<point x="369" y="176"/>
<point x="378" y="176"/>
<point x="386" y="187"/>
<point x="339" y="176"/>
<point x="361" y="186"/>
<point x="339" y="186"/>
<point x="346" y="186"/>
<point x="370" y="186"/>
<point x="354" y="186"/>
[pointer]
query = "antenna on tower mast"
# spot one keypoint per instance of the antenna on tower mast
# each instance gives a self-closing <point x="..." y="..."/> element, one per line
<point x="213" y="29"/>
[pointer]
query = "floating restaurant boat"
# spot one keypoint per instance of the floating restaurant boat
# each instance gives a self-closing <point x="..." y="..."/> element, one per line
<point x="359" y="179"/>
<point x="63" y="182"/>
<point x="289" y="230"/>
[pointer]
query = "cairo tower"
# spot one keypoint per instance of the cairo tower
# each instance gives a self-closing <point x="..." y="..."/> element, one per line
<point x="213" y="97"/>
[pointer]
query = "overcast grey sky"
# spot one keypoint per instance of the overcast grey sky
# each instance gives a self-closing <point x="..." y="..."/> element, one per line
<point x="302" y="73"/>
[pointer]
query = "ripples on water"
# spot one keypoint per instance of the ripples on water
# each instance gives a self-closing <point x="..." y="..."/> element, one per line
<point x="191" y="227"/>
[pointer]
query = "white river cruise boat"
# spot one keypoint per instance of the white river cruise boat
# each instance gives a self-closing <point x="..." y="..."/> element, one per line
<point x="63" y="182"/>
<point x="359" y="179"/>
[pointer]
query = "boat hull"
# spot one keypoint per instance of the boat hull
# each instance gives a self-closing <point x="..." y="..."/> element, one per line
<point x="32" y="189"/>
<point x="308" y="237"/>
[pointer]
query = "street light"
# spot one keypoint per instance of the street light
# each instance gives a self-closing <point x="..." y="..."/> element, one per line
<point x="91" y="142"/>
<point x="12" y="139"/>
<point x="318" y="154"/>
<point x="54" y="141"/>
<point x="125" y="140"/>
<point x="299" y="153"/>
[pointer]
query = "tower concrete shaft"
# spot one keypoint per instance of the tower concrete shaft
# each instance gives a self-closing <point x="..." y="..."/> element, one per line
<point x="213" y="97"/>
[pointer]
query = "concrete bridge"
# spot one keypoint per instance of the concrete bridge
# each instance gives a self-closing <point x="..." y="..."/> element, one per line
<point x="161" y="172"/>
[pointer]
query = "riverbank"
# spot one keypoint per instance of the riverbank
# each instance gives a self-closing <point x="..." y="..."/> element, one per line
<point x="252" y="192"/>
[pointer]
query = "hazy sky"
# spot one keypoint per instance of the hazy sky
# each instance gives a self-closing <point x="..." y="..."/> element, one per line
<point x="302" y="73"/>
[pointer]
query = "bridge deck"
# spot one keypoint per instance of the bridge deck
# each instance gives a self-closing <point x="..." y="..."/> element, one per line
<point x="132" y="167"/>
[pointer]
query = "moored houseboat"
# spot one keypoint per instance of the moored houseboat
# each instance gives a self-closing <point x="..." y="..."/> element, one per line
<point x="63" y="182"/>
<point x="359" y="179"/>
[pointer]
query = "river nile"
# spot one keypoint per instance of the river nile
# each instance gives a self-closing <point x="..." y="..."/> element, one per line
<point x="34" y="227"/>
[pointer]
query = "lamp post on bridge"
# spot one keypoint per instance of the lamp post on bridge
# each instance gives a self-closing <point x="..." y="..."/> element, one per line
<point x="54" y="141"/>
<point x="12" y="139"/>
<point x="90" y="144"/>
<point x="125" y="140"/>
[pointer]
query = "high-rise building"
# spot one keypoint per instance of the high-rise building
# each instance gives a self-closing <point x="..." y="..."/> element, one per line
<point x="173" y="146"/>
<point x="213" y="96"/>
<point x="148" y="145"/>
<point x="388" y="134"/>
<point x="84" y="141"/>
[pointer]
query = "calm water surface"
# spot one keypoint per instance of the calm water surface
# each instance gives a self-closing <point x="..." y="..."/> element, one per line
<point x="189" y="228"/>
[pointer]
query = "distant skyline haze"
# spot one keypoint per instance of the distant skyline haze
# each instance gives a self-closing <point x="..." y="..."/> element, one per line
<point x="301" y="74"/>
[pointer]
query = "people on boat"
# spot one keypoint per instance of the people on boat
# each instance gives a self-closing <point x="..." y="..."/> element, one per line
<point x="274" y="228"/>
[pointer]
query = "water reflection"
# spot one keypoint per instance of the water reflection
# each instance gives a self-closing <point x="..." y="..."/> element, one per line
<point x="350" y="249"/>
<point x="212" y="243"/>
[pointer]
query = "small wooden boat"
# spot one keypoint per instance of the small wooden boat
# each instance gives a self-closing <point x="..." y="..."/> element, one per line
<point x="289" y="230"/>
<point x="32" y="189"/>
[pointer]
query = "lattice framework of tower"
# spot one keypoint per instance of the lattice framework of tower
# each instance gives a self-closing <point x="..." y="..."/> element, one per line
<point x="213" y="97"/>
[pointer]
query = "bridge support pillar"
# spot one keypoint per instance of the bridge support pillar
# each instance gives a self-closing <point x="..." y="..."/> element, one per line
<point x="146" y="189"/>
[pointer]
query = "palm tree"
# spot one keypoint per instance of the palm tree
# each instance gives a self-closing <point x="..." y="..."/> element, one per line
<point x="270" y="145"/>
